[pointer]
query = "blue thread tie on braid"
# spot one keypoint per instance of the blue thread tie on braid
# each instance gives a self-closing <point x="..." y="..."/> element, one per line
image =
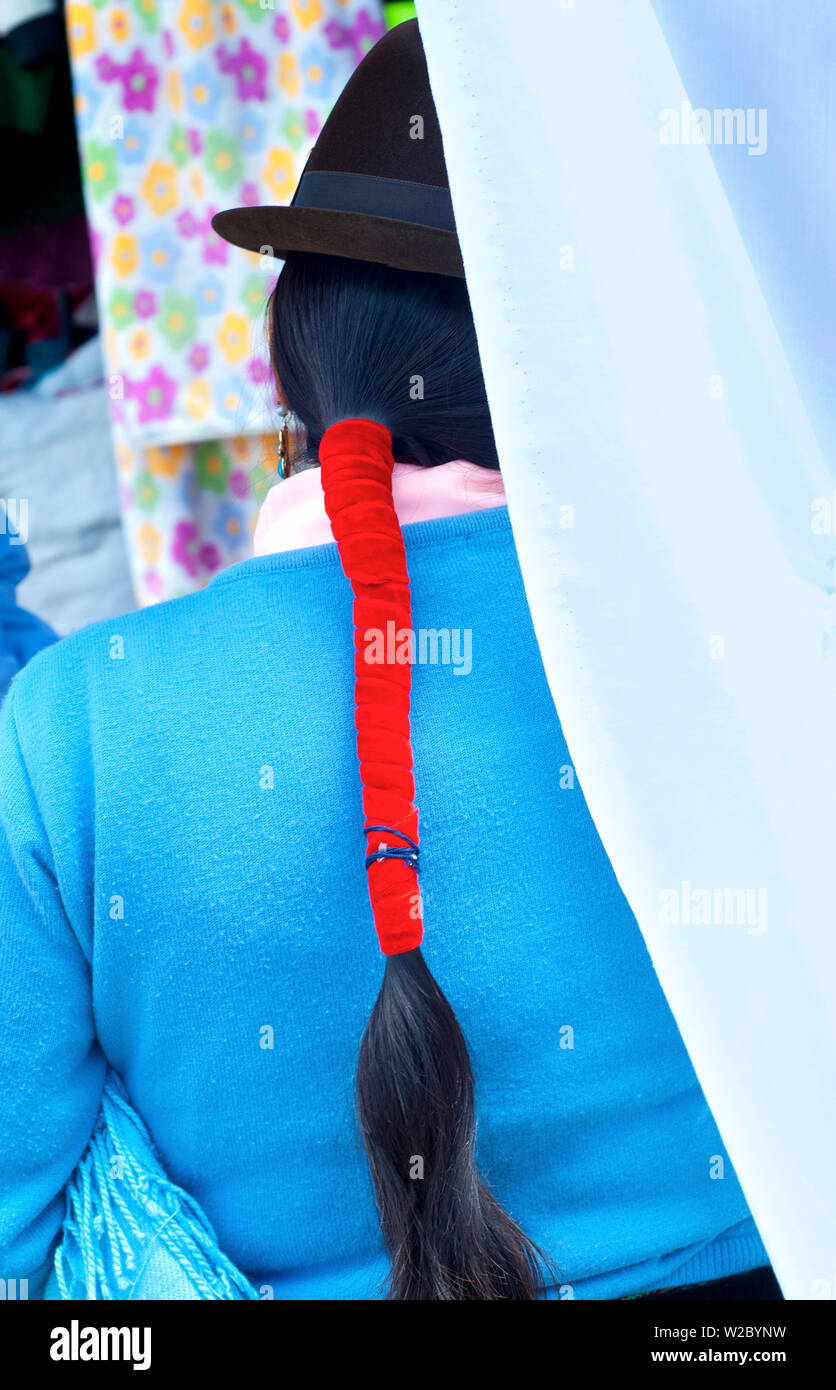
<point x="408" y="853"/>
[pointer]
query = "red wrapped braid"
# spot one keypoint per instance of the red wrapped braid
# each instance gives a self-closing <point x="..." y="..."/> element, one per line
<point x="357" y="463"/>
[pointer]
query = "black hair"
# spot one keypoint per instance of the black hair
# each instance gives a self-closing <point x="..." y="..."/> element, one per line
<point x="350" y="339"/>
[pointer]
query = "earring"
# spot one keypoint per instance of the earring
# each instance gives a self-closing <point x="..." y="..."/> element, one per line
<point x="284" y="445"/>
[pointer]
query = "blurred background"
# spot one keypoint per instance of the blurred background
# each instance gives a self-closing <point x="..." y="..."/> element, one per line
<point x="137" y="416"/>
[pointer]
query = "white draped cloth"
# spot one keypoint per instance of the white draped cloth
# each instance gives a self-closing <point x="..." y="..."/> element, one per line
<point x="661" y="414"/>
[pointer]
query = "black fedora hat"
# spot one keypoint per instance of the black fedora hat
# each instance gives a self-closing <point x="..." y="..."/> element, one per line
<point x="375" y="186"/>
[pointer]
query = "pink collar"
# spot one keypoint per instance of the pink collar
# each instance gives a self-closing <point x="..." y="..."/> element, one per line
<point x="293" y="514"/>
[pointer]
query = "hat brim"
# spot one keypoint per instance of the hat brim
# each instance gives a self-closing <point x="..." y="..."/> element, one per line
<point x="358" y="236"/>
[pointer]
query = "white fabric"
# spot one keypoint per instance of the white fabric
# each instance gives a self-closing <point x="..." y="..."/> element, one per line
<point x="662" y="478"/>
<point x="56" y="460"/>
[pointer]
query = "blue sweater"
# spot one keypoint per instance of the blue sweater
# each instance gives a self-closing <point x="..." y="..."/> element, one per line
<point x="21" y="633"/>
<point x="182" y="893"/>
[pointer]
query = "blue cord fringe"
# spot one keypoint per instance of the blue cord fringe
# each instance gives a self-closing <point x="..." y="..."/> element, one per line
<point x="131" y="1233"/>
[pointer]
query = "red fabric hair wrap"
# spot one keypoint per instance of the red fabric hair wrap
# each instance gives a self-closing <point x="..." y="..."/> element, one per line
<point x="357" y="463"/>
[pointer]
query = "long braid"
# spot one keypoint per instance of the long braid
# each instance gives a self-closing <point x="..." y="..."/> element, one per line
<point x="446" y="1235"/>
<point x="356" y="459"/>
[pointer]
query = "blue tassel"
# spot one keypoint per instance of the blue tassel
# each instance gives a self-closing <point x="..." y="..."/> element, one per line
<point x="129" y="1232"/>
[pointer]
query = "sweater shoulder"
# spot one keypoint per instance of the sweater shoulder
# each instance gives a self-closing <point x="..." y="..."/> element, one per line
<point x="69" y="661"/>
<point x="291" y="601"/>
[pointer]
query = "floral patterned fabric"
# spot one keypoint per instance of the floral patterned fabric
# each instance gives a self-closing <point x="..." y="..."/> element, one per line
<point x="184" y="107"/>
<point x="190" y="509"/>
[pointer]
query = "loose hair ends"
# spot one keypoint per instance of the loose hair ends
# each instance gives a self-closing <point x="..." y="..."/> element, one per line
<point x="447" y="1236"/>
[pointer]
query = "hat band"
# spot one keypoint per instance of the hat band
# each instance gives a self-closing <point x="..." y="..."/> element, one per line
<point x="335" y="191"/>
